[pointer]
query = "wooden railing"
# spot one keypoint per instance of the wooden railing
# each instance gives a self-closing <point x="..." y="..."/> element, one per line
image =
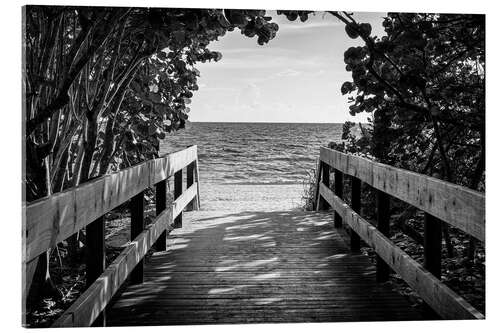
<point x="441" y="201"/>
<point x="53" y="219"/>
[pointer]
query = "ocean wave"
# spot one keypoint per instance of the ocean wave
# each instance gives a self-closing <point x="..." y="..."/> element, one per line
<point x="257" y="153"/>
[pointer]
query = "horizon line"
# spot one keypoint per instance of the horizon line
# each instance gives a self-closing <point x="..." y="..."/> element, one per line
<point x="272" y="122"/>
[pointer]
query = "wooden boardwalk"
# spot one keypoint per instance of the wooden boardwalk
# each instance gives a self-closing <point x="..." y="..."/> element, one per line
<point x="257" y="267"/>
<point x="252" y="266"/>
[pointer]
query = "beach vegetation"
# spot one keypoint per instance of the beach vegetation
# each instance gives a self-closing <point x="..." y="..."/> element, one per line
<point x="423" y="86"/>
<point x="103" y="85"/>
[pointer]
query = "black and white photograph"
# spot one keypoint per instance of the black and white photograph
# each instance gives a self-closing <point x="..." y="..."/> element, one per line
<point x="208" y="165"/>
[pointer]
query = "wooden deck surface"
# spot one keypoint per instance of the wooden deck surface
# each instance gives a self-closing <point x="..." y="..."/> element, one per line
<point x="257" y="267"/>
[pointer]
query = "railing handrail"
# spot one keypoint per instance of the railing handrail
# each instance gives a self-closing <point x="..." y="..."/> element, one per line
<point x="53" y="219"/>
<point x="386" y="179"/>
<point x="456" y="205"/>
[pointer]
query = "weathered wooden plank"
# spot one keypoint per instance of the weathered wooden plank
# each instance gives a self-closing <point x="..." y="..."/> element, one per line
<point x="95" y="250"/>
<point x="90" y="304"/>
<point x="95" y="258"/>
<point x="178" y="193"/>
<point x="288" y="271"/>
<point x="46" y="219"/>
<point x="339" y="190"/>
<point x="136" y="228"/>
<point x="325" y="179"/>
<point x="189" y="181"/>
<point x="265" y="314"/>
<point x="316" y="185"/>
<point x="207" y="279"/>
<point x="459" y="206"/>
<point x="352" y="292"/>
<point x="436" y="294"/>
<point x="263" y="302"/>
<point x="197" y="179"/>
<point x="182" y="201"/>
<point x="282" y="273"/>
<point x="161" y="205"/>
<point x="355" y="241"/>
<point x="432" y="245"/>
<point x="383" y="226"/>
<point x="325" y="290"/>
<point x="168" y="165"/>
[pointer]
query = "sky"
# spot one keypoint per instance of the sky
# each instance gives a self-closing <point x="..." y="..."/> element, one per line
<point x="296" y="77"/>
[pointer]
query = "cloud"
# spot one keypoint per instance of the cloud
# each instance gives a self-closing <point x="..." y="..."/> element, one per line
<point x="306" y="27"/>
<point x="319" y="73"/>
<point x="219" y="89"/>
<point x="257" y="49"/>
<point x="288" y="73"/>
<point x="275" y="61"/>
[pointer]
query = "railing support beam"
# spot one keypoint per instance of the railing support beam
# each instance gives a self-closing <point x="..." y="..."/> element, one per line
<point x="95" y="254"/>
<point x="356" y="206"/>
<point x="197" y="177"/>
<point x="190" y="181"/>
<point x="177" y="193"/>
<point x="432" y="245"/>
<point x="95" y="258"/>
<point x="339" y="191"/>
<point x="136" y="227"/>
<point x="324" y="173"/>
<point x="161" y="205"/>
<point x="383" y="225"/>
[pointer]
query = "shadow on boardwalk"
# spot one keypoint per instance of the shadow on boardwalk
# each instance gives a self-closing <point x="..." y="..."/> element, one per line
<point x="256" y="267"/>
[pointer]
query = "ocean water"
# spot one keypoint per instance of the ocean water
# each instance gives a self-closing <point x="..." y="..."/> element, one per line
<point x="254" y="153"/>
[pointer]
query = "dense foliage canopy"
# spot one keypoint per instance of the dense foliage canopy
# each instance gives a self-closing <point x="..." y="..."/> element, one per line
<point x="424" y="83"/>
<point x="104" y="85"/>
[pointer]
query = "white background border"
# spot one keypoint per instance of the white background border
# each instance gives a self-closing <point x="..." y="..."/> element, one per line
<point x="10" y="192"/>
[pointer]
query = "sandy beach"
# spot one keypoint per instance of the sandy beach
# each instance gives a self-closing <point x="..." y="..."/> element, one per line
<point x="250" y="197"/>
<point x="225" y="197"/>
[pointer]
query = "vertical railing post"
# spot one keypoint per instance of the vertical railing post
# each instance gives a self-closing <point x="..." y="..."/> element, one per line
<point x="324" y="171"/>
<point x="161" y="205"/>
<point x="432" y="244"/>
<point x="136" y="227"/>
<point x="356" y="206"/>
<point x="339" y="192"/>
<point x="317" y="181"/>
<point x="383" y="225"/>
<point x="95" y="257"/>
<point x="189" y="182"/>
<point x="177" y="193"/>
<point x="197" y="178"/>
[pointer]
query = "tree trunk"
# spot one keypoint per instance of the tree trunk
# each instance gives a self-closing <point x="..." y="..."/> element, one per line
<point x="84" y="170"/>
<point x="61" y="172"/>
<point x="88" y="148"/>
<point x="381" y="138"/>
<point x="108" y="147"/>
